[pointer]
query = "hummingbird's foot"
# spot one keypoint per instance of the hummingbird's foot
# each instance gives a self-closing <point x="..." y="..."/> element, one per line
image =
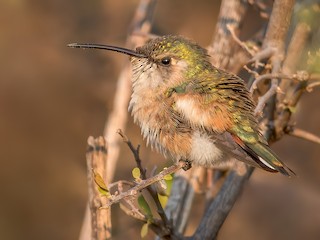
<point x="187" y="164"/>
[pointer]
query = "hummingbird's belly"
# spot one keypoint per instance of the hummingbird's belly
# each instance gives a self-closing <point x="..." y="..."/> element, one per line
<point x="204" y="152"/>
<point x="199" y="148"/>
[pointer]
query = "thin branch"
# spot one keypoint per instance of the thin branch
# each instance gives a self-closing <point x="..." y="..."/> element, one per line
<point x="144" y="183"/>
<point x="299" y="76"/>
<point x="265" y="98"/>
<point x="312" y="85"/>
<point x="299" y="133"/>
<point x="260" y="78"/>
<point x="120" y="183"/>
<point x="239" y="42"/>
<point x="264" y="54"/>
<point x="132" y="210"/>
<point x="135" y="152"/>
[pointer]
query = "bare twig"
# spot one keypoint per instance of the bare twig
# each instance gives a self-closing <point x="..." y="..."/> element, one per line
<point x="299" y="133"/>
<point x="96" y="159"/>
<point x="238" y="41"/>
<point x="265" y="98"/>
<point x="266" y="53"/>
<point x="135" y="152"/>
<point x="312" y="85"/>
<point x="120" y="183"/>
<point x="132" y="210"/>
<point x="269" y="76"/>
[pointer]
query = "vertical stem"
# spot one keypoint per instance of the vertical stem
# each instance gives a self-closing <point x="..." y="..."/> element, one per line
<point x="100" y="218"/>
<point x="141" y="24"/>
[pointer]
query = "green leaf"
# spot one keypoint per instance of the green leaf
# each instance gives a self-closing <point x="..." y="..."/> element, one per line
<point x="145" y="207"/>
<point x="102" y="187"/>
<point x="168" y="177"/>
<point x="136" y="173"/>
<point x="163" y="200"/>
<point x="144" y="230"/>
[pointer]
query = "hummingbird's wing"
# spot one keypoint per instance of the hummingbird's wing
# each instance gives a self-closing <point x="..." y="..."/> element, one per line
<point x="220" y="103"/>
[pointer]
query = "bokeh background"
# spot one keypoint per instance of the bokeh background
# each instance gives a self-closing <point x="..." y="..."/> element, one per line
<point x="52" y="98"/>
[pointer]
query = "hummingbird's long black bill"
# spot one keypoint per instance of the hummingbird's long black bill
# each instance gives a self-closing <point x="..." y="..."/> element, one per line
<point x="109" y="48"/>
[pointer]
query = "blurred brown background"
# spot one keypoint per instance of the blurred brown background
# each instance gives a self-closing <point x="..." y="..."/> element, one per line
<point x="52" y="98"/>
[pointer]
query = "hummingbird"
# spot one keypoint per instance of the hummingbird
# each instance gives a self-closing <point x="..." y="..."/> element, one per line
<point x="192" y="111"/>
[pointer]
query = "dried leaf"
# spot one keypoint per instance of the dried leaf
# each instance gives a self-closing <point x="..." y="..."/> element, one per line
<point x="102" y="187"/>
<point x="292" y="109"/>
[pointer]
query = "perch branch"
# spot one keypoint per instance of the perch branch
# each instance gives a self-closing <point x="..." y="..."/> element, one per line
<point x="151" y="190"/>
<point x="144" y="183"/>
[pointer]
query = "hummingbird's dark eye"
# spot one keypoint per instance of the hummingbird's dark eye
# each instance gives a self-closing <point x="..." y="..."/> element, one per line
<point x="166" y="60"/>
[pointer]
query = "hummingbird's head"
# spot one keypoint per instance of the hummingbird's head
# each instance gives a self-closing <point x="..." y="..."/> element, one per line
<point x="166" y="59"/>
<point x="175" y="53"/>
<point x="169" y="59"/>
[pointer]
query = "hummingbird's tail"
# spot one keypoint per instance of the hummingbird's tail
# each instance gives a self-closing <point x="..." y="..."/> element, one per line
<point x="267" y="159"/>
